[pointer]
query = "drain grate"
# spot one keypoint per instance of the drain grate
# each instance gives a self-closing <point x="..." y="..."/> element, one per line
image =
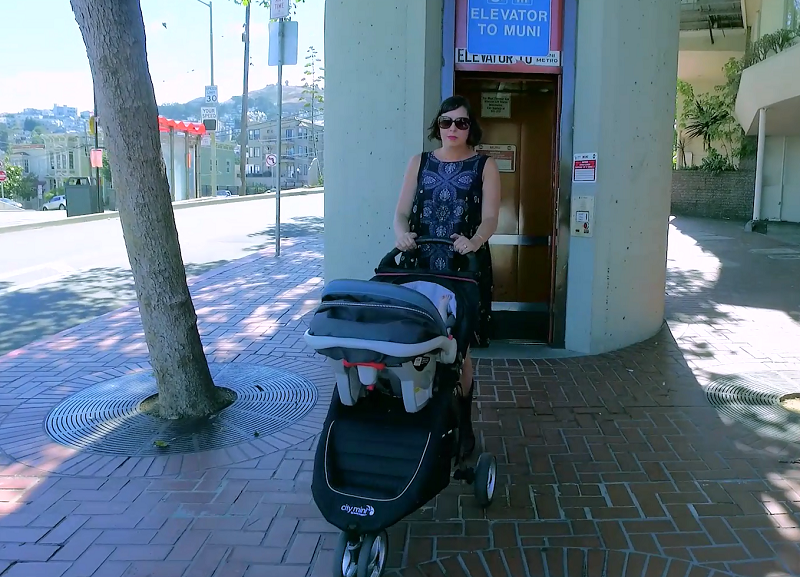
<point x="754" y="400"/>
<point x="105" y="418"/>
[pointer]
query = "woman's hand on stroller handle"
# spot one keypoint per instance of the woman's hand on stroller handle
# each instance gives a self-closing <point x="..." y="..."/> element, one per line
<point x="463" y="244"/>
<point x="389" y="259"/>
<point x="405" y="242"/>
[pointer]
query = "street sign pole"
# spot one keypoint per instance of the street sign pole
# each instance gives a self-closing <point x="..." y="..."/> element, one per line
<point x="280" y="138"/>
<point x="100" y="207"/>
<point x="282" y="50"/>
<point x="212" y="96"/>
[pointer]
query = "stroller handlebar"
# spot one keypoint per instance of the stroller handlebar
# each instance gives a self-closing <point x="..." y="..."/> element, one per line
<point x="388" y="261"/>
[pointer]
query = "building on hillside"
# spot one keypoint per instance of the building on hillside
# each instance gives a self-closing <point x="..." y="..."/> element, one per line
<point x="301" y="143"/>
<point x="61" y="111"/>
<point x="67" y="156"/>
<point x="32" y="158"/>
<point x="61" y="157"/>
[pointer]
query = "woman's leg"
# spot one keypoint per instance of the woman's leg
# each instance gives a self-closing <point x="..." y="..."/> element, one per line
<point x="467" y="385"/>
<point x="467" y="375"/>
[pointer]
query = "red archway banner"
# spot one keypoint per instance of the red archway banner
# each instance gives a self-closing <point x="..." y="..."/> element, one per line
<point x="164" y="124"/>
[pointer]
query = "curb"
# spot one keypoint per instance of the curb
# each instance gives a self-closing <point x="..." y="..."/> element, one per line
<point x="183" y="204"/>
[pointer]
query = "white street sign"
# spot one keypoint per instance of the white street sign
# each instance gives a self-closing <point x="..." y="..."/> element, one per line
<point x="208" y="113"/>
<point x="212" y="95"/>
<point x="279" y="9"/>
<point x="39" y="191"/>
<point x="205" y="140"/>
<point x="283" y="47"/>
<point x="2" y="166"/>
<point x="272" y="160"/>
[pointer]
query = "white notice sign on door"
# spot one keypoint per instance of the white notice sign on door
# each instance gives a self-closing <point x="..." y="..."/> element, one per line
<point x="495" y="105"/>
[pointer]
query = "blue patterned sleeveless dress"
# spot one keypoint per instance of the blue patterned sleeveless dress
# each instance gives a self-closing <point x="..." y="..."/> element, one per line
<point x="449" y="201"/>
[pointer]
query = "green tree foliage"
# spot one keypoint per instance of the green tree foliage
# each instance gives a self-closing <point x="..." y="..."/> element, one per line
<point x="17" y="185"/>
<point x="312" y="96"/>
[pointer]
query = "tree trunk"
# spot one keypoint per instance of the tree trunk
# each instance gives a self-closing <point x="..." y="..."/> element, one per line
<point x="243" y="137"/>
<point x="114" y="34"/>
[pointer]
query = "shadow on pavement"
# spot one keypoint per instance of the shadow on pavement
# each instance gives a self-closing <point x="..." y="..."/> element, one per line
<point x="299" y="227"/>
<point x="28" y="315"/>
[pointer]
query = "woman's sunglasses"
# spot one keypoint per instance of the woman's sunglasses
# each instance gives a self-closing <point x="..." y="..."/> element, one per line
<point x="446" y="122"/>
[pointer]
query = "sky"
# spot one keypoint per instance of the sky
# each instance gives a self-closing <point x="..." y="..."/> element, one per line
<point x="49" y="64"/>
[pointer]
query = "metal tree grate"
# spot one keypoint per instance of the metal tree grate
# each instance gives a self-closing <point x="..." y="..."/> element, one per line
<point x="754" y="400"/>
<point x="106" y="419"/>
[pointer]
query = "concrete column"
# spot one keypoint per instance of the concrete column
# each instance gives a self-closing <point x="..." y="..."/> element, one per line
<point x="762" y="141"/>
<point x="383" y="83"/>
<point x="626" y="69"/>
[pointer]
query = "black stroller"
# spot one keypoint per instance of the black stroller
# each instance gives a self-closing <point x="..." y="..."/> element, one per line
<point x="390" y="441"/>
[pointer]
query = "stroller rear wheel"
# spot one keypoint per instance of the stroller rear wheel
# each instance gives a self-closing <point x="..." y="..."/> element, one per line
<point x="485" y="479"/>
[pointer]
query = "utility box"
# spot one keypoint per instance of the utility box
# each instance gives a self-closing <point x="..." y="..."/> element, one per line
<point x="81" y="198"/>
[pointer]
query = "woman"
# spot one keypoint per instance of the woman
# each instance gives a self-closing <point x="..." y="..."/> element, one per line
<point x="454" y="193"/>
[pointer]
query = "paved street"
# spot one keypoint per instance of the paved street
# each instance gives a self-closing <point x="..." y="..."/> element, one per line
<point x="56" y="277"/>
<point x="18" y="217"/>
<point x="608" y="465"/>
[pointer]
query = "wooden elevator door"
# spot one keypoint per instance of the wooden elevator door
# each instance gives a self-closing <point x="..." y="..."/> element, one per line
<point x="522" y="248"/>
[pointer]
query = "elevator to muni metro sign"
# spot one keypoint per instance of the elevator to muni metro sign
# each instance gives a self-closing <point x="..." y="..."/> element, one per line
<point x="516" y="28"/>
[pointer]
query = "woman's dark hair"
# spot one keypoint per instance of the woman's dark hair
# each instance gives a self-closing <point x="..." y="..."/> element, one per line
<point x="450" y="104"/>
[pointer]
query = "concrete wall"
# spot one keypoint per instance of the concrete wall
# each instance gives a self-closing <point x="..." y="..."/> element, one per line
<point x="781" y="193"/>
<point x="382" y="70"/>
<point x="627" y="60"/>
<point x="728" y="195"/>
<point x="773" y="16"/>
<point x="383" y="63"/>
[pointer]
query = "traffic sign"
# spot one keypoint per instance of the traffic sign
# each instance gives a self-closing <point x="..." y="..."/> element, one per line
<point x="279" y="9"/>
<point x="283" y="43"/>
<point x="208" y="113"/>
<point x="271" y="160"/>
<point x="212" y="95"/>
<point x="3" y="176"/>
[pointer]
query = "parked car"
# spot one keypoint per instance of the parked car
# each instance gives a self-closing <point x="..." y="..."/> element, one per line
<point x="225" y="193"/>
<point x="11" y="202"/>
<point x="56" y="203"/>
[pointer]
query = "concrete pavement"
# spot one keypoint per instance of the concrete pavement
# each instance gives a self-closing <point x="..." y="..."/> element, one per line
<point x="618" y="464"/>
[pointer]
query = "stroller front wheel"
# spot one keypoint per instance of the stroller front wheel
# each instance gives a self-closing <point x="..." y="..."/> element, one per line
<point x="345" y="556"/>
<point x="372" y="556"/>
<point x="485" y="479"/>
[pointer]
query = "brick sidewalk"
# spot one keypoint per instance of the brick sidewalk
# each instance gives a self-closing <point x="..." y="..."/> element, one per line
<point x="609" y="465"/>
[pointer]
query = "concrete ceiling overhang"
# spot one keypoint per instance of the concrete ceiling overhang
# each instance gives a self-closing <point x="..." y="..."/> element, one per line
<point x="712" y="14"/>
<point x="773" y="84"/>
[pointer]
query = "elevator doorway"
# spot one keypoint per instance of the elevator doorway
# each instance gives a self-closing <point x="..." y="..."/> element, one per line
<point x="519" y="117"/>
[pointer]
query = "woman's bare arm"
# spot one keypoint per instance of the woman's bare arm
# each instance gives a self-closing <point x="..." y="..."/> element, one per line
<point x="406" y="201"/>
<point x="490" y="211"/>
